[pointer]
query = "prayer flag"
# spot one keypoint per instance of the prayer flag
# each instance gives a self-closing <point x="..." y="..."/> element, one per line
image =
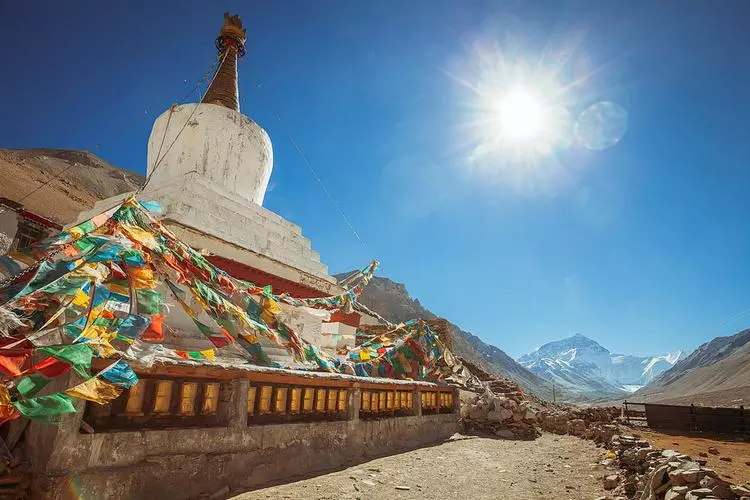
<point x="121" y="374"/>
<point x="45" y="408"/>
<point x="95" y="390"/>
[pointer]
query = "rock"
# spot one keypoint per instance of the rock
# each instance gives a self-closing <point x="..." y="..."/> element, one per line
<point x="670" y="453"/>
<point x="703" y="454"/>
<point x="676" y="477"/>
<point x="529" y="414"/>
<point x="719" y="487"/>
<point x="725" y="459"/>
<point x="576" y="426"/>
<point x="517" y="416"/>
<point x="478" y="413"/>
<point x="698" y="493"/>
<point x="713" y="451"/>
<point x="368" y="482"/>
<point x="500" y="415"/>
<point x="403" y="488"/>
<point x="740" y="491"/>
<point x="611" y="482"/>
<point x="505" y="434"/>
<point x="676" y="493"/>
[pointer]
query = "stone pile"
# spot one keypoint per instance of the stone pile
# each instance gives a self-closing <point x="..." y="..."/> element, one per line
<point x="590" y="423"/>
<point x="652" y="474"/>
<point x="506" y="415"/>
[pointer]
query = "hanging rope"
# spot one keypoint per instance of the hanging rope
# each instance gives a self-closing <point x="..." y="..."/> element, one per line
<point x="190" y="117"/>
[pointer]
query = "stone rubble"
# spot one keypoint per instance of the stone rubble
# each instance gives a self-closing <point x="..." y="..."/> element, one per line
<point x="645" y="473"/>
<point x="507" y="415"/>
<point x="653" y="474"/>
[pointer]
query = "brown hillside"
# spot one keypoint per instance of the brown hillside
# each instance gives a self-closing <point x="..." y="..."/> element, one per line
<point x="83" y="179"/>
<point x="715" y="374"/>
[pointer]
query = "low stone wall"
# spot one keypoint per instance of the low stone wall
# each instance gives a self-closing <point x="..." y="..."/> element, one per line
<point x="191" y="462"/>
<point x="184" y="463"/>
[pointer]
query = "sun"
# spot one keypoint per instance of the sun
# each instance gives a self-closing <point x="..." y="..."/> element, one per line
<point x="521" y="117"/>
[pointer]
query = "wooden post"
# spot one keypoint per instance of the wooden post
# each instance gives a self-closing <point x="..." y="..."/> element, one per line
<point x="627" y="415"/>
<point x="692" y="417"/>
<point x="743" y="427"/>
<point x="355" y="400"/>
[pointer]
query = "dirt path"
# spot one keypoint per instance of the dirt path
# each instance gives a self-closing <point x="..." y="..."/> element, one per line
<point x="560" y="467"/>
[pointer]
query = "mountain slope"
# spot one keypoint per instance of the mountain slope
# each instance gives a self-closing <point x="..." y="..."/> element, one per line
<point x="76" y="179"/>
<point x="392" y="301"/>
<point x="717" y="373"/>
<point x="581" y="365"/>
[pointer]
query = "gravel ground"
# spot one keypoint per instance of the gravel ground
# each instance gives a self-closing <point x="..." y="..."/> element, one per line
<point x="559" y="467"/>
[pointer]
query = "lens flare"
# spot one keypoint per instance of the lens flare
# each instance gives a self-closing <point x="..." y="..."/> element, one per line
<point x="601" y="125"/>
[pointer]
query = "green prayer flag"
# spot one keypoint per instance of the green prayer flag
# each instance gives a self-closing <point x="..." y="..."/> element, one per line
<point x="194" y="354"/>
<point x="45" y="408"/>
<point x="77" y="355"/>
<point x="149" y="301"/>
<point x="30" y="385"/>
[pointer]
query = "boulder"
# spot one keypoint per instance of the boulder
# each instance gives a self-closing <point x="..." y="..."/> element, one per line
<point x="611" y="482"/>
<point x="698" y="494"/>
<point x="718" y="487"/>
<point x="676" y="493"/>
<point x="576" y="427"/>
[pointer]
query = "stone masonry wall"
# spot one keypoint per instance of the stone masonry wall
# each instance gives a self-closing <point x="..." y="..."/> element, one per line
<point x="185" y="463"/>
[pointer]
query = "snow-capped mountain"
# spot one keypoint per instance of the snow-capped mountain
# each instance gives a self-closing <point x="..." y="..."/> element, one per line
<point x="581" y="365"/>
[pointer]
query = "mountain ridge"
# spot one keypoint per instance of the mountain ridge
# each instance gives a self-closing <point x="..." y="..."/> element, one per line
<point x="716" y="373"/>
<point x="60" y="183"/>
<point x="582" y="365"/>
<point x="391" y="300"/>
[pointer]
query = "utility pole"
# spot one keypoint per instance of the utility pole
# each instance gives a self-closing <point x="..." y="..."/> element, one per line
<point x="554" y="397"/>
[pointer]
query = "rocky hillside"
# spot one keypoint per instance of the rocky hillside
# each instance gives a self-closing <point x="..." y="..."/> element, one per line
<point x="717" y="373"/>
<point x="79" y="179"/>
<point x="392" y="301"/>
<point x="581" y="365"/>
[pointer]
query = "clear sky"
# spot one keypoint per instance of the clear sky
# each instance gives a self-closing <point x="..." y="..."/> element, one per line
<point x="640" y="243"/>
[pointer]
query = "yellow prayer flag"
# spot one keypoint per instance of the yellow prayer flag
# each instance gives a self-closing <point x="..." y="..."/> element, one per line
<point x="271" y="309"/>
<point x="6" y="409"/>
<point x="92" y="332"/>
<point x="76" y="232"/>
<point x="116" y="288"/>
<point x="140" y="235"/>
<point x="250" y="337"/>
<point x="81" y="299"/>
<point x="209" y="353"/>
<point x="102" y="347"/>
<point x="95" y="390"/>
<point x="364" y="355"/>
<point x="142" y="277"/>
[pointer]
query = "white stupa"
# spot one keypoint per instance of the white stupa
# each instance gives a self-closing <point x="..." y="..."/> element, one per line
<point x="209" y="167"/>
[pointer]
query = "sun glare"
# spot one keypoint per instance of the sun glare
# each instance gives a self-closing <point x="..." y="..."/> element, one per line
<point x="521" y="117"/>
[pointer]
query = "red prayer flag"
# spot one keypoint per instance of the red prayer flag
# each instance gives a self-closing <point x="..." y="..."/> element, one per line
<point x="51" y="367"/>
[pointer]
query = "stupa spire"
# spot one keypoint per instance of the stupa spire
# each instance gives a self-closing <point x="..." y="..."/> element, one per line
<point x="231" y="45"/>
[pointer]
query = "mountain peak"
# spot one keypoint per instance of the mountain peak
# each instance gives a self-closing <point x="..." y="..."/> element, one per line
<point x="581" y="365"/>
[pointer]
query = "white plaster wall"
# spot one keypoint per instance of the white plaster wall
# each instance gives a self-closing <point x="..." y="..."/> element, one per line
<point x="8" y="228"/>
<point x="220" y="145"/>
<point x="328" y="341"/>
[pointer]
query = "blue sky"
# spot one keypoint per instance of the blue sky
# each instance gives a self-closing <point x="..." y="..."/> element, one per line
<point x="642" y="246"/>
